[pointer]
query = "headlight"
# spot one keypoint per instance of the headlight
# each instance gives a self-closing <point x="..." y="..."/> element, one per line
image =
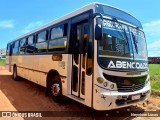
<point x="147" y="81"/>
<point x="100" y="80"/>
<point x="112" y="86"/>
<point x="105" y="84"/>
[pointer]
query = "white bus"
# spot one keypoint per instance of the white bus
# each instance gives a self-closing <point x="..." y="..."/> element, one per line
<point x="96" y="55"/>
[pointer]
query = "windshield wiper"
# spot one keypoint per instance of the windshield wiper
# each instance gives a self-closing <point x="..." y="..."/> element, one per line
<point x="123" y="36"/>
<point x="135" y="42"/>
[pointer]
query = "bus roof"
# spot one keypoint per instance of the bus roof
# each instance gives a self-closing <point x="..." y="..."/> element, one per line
<point x="72" y="14"/>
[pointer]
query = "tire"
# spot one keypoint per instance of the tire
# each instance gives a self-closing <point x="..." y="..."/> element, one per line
<point x="15" y="76"/>
<point x="56" y="89"/>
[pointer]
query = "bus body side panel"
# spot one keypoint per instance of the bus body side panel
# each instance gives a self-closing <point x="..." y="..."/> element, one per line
<point x="36" y="67"/>
<point x="100" y="102"/>
<point x="7" y="62"/>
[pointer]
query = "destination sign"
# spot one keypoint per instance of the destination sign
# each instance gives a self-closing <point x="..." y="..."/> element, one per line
<point x="120" y="26"/>
<point x="115" y="25"/>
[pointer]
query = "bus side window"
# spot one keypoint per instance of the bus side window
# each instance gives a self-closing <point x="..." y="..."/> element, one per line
<point x="22" y="46"/>
<point x="41" y="44"/>
<point x="58" y="38"/>
<point x="8" y="49"/>
<point x="30" y="45"/>
<point x="15" y="47"/>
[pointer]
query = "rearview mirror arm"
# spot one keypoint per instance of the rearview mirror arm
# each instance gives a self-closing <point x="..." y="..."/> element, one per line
<point x="97" y="14"/>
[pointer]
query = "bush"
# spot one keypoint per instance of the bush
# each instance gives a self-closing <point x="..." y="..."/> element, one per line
<point x="154" y="70"/>
<point x="2" y="61"/>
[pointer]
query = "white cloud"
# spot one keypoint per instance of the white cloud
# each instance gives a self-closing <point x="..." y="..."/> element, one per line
<point x="152" y="23"/>
<point x="32" y="26"/>
<point x="153" y="54"/>
<point x="152" y="32"/>
<point x="154" y="48"/>
<point x="152" y="28"/>
<point x="7" y="24"/>
<point x="155" y="45"/>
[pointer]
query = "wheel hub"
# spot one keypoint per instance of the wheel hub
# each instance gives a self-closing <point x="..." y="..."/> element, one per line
<point x="14" y="74"/>
<point x="55" y="89"/>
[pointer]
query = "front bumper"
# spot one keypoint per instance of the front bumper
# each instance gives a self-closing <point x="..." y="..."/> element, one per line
<point x="104" y="99"/>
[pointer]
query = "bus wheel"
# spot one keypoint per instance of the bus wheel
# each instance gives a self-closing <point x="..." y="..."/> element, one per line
<point x="15" y="76"/>
<point x="56" y="89"/>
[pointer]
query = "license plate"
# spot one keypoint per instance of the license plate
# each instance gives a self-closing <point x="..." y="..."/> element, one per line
<point x="136" y="97"/>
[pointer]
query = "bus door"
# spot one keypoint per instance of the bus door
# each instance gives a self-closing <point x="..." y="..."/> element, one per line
<point x="80" y="36"/>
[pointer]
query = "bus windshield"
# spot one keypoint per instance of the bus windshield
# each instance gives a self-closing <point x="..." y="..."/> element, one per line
<point x="115" y="40"/>
<point x="121" y="41"/>
<point x="139" y="44"/>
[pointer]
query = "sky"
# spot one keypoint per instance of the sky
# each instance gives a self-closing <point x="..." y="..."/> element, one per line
<point x="18" y="17"/>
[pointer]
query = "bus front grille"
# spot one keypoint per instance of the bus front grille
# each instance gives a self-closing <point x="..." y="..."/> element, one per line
<point x="127" y="84"/>
<point x="130" y="88"/>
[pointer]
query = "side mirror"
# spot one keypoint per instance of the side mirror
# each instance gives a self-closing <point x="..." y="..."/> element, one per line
<point x="98" y="32"/>
<point x="99" y="24"/>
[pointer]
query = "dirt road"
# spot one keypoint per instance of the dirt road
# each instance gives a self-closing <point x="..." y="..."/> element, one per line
<point x="26" y="96"/>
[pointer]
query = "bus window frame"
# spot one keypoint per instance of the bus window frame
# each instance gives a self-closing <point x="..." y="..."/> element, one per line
<point x="13" y="47"/>
<point x="21" y="46"/>
<point x="30" y="44"/>
<point x="67" y="36"/>
<point x="36" y="41"/>
<point x="8" y="49"/>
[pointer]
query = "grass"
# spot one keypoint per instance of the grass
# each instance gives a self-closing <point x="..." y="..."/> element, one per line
<point x="2" y="61"/>
<point x="155" y="76"/>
